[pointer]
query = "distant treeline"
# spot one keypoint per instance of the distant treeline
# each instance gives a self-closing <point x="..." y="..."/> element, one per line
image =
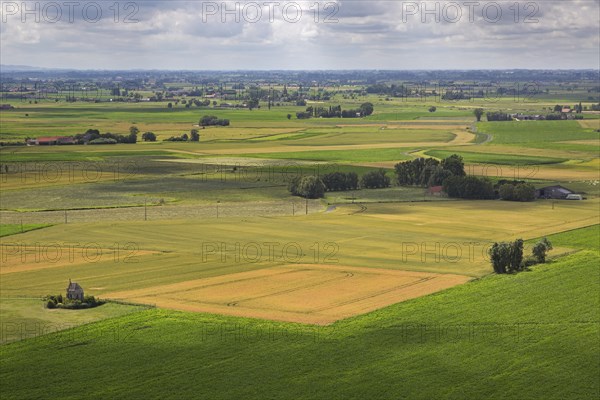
<point x="364" y="110"/>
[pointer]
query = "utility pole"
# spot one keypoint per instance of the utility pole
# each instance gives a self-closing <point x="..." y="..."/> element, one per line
<point x="307" y="206"/>
<point x="145" y="209"/>
<point x="66" y="216"/>
<point x="218" y="201"/>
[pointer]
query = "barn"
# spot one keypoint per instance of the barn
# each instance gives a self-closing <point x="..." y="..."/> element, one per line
<point x="553" y="192"/>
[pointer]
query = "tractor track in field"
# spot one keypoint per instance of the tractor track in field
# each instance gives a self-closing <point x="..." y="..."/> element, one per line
<point x="362" y="209"/>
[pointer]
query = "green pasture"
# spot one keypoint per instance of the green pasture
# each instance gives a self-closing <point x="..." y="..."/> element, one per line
<point x="532" y="335"/>
<point x="13" y="229"/>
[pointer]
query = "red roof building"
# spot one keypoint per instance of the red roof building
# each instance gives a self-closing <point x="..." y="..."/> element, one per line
<point x="52" y="140"/>
<point x="435" y="191"/>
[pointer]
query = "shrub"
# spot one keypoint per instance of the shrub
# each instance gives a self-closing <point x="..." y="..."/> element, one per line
<point x="102" y="141"/>
<point x="303" y="115"/>
<point x="529" y="261"/>
<point x="52" y="301"/>
<point x="540" y="249"/>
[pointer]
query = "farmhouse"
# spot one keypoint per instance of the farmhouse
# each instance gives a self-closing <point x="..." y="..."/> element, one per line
<point x="527" y="117"/>
<point x="74" y="291"/>
<point x="51" y="141"/>
<point x="553" y="192"/>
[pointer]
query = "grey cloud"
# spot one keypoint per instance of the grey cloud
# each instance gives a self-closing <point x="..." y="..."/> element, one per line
<point x="369" y="34"/>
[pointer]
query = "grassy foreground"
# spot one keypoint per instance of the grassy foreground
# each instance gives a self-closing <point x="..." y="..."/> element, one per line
<point x="527" y="336"/>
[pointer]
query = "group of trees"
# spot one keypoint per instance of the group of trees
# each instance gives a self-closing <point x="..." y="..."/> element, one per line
<point x="375" y="180"/>
<point x="364" y="110"/>
<point x="450" y="174"/>
<point x="469" y="187"/>
<point x="508" y="258"/>
<point x="520" y="191"/>
<point x="211" y="120"/>
<point x="149" y="137"/>
<point x="93" y="136"/>
<point x="186" y="103"/>
<point x="309" y="187"/>
<point x="498" y="116"/>
<point x="392" y="90"/>
<point x="428" y="171"/>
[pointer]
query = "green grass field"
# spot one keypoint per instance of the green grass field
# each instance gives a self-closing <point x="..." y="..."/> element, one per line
<point x="516" y="335"/>
<point x="147" y="216"/>
<point x="491" y="158"/>
<point x="537" y="133"/>
<point x="27" y="318"/>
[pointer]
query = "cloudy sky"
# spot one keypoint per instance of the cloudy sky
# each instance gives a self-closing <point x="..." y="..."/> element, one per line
<point x="334" y="34"/>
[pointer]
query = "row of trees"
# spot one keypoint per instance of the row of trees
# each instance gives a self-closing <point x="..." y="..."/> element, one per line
<point x="194" y="136"/>
<point x="309" y="187"/>
<point x="188" y="103"/>
<point x="314" y="187"/>
<point x="498" y="116"/>
<point x="340" y="181"/>
<point x="364" y="110"/>
<point x="211" y="120"/>
<point x="508" y="258"/>
<point x="375" y="180"/>
<point x="469" y="187"/>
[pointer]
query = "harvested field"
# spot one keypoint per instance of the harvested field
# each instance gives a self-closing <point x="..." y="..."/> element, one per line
<point x="17" y="257"/>
<point x="305" y="293"/>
